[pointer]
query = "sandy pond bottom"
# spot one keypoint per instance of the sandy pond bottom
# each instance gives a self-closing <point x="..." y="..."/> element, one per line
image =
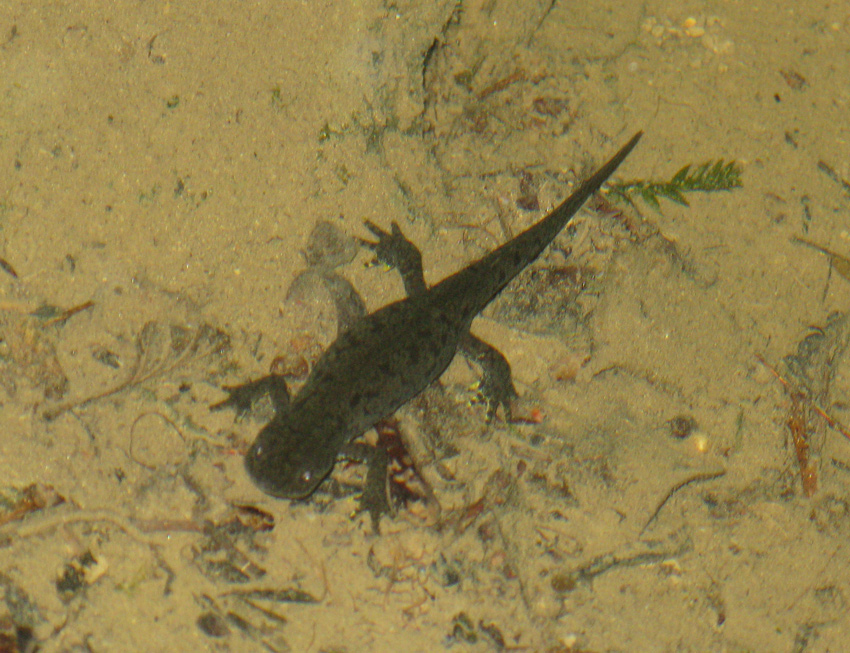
<point x="163" y="167"/>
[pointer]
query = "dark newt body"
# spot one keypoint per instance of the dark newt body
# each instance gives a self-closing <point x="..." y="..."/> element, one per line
<point x="388" y="357"/>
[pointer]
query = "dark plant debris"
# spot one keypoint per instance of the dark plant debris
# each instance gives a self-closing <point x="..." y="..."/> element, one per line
<point x="836" y="260"/>
<point x="807" y="376"/>
<point x="7" y="268"/>
<point x="16" y="504"/>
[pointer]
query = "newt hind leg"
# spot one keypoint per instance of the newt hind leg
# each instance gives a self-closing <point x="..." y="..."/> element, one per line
<point x="396" y="251"/>
<point x="374" y="499"/>
<point x="497" y="386"/>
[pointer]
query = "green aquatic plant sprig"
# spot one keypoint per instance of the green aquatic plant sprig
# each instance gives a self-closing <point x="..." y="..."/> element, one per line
<point x="707" y="177"/>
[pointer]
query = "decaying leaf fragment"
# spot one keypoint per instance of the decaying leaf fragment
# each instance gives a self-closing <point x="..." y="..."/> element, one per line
<point x="808" y="376"/>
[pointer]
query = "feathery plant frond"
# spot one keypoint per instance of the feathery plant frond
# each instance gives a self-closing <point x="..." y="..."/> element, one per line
<point x="706" y="178"/>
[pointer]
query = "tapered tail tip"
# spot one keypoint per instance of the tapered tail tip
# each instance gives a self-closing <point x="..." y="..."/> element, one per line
<point x="628" y="147"/>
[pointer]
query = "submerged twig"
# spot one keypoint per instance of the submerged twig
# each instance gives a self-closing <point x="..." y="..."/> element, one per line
<point x="836" y="260"/>
<point x="7" y="268"/>
<point x="707" y="476"/>
<point x="53" y="315"/>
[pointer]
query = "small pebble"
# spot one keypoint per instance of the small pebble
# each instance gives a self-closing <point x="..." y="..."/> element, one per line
<point x="682" y="426"/>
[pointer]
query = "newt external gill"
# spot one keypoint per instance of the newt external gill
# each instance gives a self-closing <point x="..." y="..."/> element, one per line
<point x="388" y="357"/>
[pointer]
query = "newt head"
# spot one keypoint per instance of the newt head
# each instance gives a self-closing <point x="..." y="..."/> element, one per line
<point x="287" y="464"/>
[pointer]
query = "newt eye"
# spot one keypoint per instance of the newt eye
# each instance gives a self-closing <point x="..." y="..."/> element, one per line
<point x="306" y="476"/>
